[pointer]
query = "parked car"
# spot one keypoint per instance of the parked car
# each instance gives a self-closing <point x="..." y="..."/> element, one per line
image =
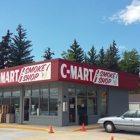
<point x="129" y="121"/>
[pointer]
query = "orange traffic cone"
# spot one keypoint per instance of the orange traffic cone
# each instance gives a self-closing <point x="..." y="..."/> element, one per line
<point x="112" y="138"/>
<point x="83" y="127"/>
<point x="51" y="130"/>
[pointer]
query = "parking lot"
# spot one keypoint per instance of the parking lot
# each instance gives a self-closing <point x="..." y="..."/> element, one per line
<point x="96" y="134"/>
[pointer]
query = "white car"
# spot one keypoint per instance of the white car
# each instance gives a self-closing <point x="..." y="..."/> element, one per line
<point x="129" y="121"/>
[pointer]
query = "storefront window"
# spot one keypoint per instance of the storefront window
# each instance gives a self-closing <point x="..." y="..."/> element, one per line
<point x="82" y="105"/>
<point x="7" y="94"/>
<point x="6" y="101"/>
<point x="92" y="106"/>
<point x="44" y="92"/>
<point x="34" y="106"/>
<point x="44" y="102"/>
<point x="71" y="91"/>
<point x="81" y="92"/>
<point x="35" y="102"/>
<point x="103" y="103"/>
<point x="92" y="102"/>
<point x="27" y="93"/>
<point x="15" y="105"/>
<point x="53" y="102"/>
<point x="15" y="93"/>
<point x="53" y="91"/>
<point x="35" y="93"/>
<point x="15" y="102"/>
<point x="0" y="93"/>
<point x="6" y="98"/>
<point x="53" y="105"/>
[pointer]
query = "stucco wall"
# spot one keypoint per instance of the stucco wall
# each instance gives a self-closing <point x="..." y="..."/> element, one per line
<point x="118" y="102"/>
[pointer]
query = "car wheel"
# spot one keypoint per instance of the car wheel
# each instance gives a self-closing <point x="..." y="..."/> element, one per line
<point x="109" y="127"/>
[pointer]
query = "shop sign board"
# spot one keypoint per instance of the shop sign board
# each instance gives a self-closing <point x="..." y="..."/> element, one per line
<point x="81" y="73"/>
<point x="25" y="74"/>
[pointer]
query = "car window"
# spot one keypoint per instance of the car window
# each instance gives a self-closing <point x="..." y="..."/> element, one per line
<point x="130" y="114"/>
<point x="138" y="114"/>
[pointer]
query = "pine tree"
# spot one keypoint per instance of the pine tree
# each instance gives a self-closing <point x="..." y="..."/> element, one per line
<point x="48" y="54"/>
<point x="21" y="48"/>
<point x="75" y="53"/>
<point x="5" y="50"/>
<point x="101" y="58"/>
<point x="85" y="59"/>
<point x="92" y="59"/>
<point x="112" y="57"/>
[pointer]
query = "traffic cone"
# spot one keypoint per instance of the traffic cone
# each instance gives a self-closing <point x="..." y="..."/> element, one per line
<point x="112" y="138"/>
<point x="83" y="127"/>
<point x="51" y="130"/>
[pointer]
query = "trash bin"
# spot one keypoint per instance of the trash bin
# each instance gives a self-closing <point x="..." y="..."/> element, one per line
<point x="10" y="118"/>
<point x="83" y="119"/>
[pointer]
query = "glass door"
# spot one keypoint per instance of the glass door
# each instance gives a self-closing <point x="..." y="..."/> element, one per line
<point x="72" y="106"/>
<point x="26" y="109"/>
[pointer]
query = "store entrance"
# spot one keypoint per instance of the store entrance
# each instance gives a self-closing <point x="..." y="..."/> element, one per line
<point x="26" y="109"/>
<point x="72" y="109"/>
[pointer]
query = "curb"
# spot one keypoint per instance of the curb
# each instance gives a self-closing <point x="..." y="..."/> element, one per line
<point x="44" y="129"/>
<point x="86" y="128"/>
<point x="24" y="127"/>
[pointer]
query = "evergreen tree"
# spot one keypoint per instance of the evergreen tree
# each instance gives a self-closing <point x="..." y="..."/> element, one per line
<point x="130" y="62"/>
<point x="5" y="50"/>
<point x="68" y="55"/>
<point x="21" y="48"/>
<point x="85" y="59"/>
<point x="112" y="57"/>
<point x="92" y="59"/>
<point x="75" y="53"/>
<point x="48" y="54"/>
<point x="101" y="58"/>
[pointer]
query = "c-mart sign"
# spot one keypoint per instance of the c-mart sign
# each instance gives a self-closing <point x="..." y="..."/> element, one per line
<point x="86" y="74"/>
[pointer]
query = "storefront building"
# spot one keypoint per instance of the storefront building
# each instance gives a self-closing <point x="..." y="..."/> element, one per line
<point x="58" y="92"/>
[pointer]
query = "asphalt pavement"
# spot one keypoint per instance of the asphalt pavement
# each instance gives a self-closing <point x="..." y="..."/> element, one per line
<point x="34" y="132"/>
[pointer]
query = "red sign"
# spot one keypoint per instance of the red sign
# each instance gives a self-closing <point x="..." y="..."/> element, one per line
<point x="26" y="74"/>
<point x="87" y="74"/>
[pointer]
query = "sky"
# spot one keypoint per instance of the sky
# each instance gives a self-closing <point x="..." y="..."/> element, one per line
<point x="56" y="23"/>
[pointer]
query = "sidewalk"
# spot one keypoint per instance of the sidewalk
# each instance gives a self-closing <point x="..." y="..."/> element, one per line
<point x="47" y="128"/>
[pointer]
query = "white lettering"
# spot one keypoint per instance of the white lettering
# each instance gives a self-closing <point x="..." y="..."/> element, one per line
<point x="73" y="73"/>
<point x="2" y="77"/>
<point x="12" y="74"/>
<point x="16" y="75"/>
<point x="80" y="75"/>
<point x="7" y="77"/>
<point x="86" y="74"/>
<point x="90" y="74"/>
<point x="62" y="70"/>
